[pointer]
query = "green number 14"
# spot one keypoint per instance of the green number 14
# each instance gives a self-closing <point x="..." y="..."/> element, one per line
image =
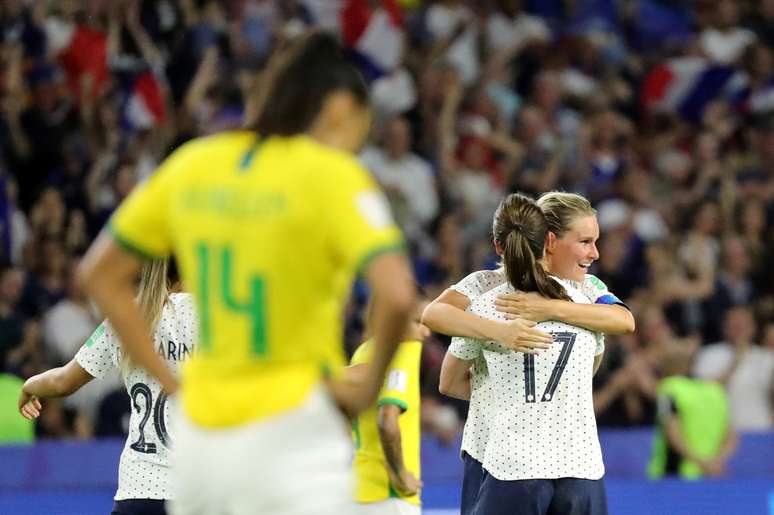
<point x="252" y="307"/>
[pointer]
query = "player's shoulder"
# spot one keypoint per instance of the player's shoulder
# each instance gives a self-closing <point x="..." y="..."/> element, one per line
<point x="235" y="141"/>
<point x="410" y="348"/>
<point x="479" y="282"/>
<point x="572" y="289"/>
<point x="306" y="147"/>
<point x="484" y="303"/>
<point x="182" y="300"/>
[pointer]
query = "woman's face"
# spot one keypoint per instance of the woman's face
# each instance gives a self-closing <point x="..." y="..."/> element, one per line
<point x="571" y="255"/>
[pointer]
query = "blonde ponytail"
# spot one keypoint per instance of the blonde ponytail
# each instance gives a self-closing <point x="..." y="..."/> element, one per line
<point x="152" y="295"/>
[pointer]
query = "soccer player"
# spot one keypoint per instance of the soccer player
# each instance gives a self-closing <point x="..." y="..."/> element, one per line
<point x="270" y="226"/>
<point x="570" y="243"/>
<point x="387" y="466"/>
<point x="144" y="472"/>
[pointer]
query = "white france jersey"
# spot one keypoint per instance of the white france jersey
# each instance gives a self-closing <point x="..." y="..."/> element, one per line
<point x="145" y="469"/>
<point x="536" y="416"/>
<point x="474" y="435"/>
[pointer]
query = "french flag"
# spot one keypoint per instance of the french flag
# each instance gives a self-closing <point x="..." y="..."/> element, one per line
<point x="145" y="106"/>
<point x="686" y="85"/>
<point x="373" y="35"/>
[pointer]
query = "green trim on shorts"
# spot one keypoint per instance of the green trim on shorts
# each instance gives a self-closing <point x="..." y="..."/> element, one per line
<point x="392" y="248"/>
<point x="392" y="400"/>
<point x="129" y="246"/>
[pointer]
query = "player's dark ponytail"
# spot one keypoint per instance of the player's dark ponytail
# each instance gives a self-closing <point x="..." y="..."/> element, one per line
<point x="520" y="229"/>
<point x="299" y="79"/>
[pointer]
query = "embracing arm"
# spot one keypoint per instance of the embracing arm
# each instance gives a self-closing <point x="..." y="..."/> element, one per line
<point x="57" y="382"/>
<point x="603" y="318"/>
<point x="447" y="315"/>
<point x="455" y="377"/>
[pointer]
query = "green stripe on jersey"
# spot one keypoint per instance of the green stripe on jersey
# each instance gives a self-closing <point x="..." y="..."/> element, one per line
<point x="96" y="335"/>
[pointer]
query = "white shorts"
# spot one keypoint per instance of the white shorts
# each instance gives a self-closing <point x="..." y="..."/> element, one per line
<point x="389" y="507"/>
<point x="295" y="463"/>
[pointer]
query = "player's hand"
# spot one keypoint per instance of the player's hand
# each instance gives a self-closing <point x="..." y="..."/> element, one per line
<point x="522" y="336"/>
<point x="29" y="406"/>
<point x="713" y="468"/>
<point x="405" y="483"/>
<point x="531" y="306"/>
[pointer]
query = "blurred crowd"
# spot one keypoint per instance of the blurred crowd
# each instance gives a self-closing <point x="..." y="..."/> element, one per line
<point x="660" y="112"/>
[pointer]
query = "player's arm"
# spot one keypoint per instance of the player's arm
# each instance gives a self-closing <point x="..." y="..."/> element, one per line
<point x="393" y="299"/>
<point x="455" y="377"/>
<point x="447" y="315"/>
<point x="603" y="318"/>
<point x="57" y="382"/>
<point x="108" y="274"/>
<point x="389" y="434"/>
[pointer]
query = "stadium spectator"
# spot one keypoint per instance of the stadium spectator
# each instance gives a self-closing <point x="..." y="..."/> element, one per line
<point x="744" y="368"/>
<point x="695" y="436"/>
<point x="406" y="178"/>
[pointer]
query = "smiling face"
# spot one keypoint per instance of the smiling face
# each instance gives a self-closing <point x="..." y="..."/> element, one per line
<point x="570" y="256"/>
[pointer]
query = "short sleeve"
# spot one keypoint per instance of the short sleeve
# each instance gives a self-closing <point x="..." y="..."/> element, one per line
<point x="600" y="337"/>
<point x="465" y="348"/>
<point x="597" y="292"/>
<point x="400" y="376"/>
<point x="141" y="224"/>
<point x="478" y="283"/>
<point x="98" y="355"/>
<point x="361" y="220"/>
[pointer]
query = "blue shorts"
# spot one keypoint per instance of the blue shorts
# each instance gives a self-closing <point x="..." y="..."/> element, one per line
<point x="566" y="496"/>
<point x="472" y="474"/>
<point x="139" y="507"/>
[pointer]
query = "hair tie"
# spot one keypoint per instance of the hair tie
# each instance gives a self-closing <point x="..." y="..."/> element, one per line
<point x="517" y="227"/>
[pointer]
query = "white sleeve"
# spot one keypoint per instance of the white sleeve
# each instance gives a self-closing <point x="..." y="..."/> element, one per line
<point x="99" y="354"/>
<point x="478" y="283"/>
<point x="465" y="348"/>
<point x="597" y="292"/>
<point x="600" y="343"/>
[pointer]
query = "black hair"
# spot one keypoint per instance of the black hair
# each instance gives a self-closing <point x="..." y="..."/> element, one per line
<point x="298" y="82"/>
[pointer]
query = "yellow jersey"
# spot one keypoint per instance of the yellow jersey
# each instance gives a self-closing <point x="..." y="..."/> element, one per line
<point x="401" y="387"/>
<point x="268" y="235"/>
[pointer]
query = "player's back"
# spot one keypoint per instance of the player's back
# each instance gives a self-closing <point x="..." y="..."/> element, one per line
<point x="266" y="239"/>
<point x="542" y="405"/>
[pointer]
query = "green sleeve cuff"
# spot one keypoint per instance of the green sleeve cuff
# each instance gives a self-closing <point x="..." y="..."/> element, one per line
<point x="129" y="246"/>
<point x="392" y="400"/>
<point x="398" y="247"/>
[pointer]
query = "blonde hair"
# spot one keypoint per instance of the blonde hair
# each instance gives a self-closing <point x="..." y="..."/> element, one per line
<point x="152" y="295"/>
<point x="562" y="208"/>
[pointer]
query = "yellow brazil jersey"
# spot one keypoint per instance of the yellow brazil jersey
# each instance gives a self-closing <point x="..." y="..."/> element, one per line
<point x="401" y="387"/>
<point x="268" y="236"/>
